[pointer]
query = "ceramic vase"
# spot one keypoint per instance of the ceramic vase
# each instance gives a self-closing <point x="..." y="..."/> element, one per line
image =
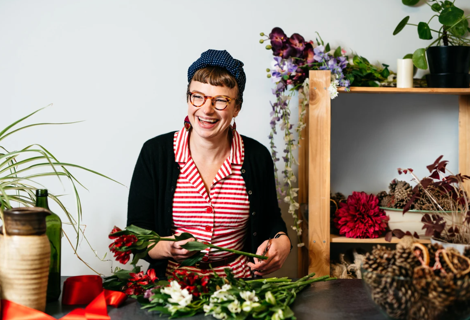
<point x="25" y="252"/>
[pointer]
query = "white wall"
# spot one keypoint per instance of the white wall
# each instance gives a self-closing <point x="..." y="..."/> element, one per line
<point x="121" y="67"/>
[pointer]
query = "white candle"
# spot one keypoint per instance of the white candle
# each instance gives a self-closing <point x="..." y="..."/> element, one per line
<point x="404" y="73"/>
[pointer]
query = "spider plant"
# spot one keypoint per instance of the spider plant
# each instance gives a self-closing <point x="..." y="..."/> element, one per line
<point x="20" y="170"/>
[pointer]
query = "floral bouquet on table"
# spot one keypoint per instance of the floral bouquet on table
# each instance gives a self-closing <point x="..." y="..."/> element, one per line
<point x="186" y="293"/>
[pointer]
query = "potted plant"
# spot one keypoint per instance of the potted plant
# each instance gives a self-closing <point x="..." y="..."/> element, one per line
<point x="449" y="53"/>
<point x="448" y="216"/>
<point x="19" y="173"/>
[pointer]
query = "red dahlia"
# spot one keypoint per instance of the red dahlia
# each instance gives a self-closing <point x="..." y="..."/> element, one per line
<point x="361" y="217"/>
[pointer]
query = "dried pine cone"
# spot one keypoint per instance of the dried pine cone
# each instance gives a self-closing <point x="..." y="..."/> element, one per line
<point x="402" y="194"/>
<point x="387" y="202"/>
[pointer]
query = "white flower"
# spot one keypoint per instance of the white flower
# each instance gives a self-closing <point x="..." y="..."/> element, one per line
<point x="270" y="298"/>
<point x="174" y="287"/>
<point x="278" y="315"/>
<point x="294" y="206"/>
<point x="248" y="305"/>
<point x="207" y="307"/>
<point x="181" y="297"/>
<point x="173" y="308"/>
<point x="234" y="307"/>
<point x="249" y="295"/>
<point x="299" y="245"/>
<point x="221" y="315"/>
<point x="333" y="91"/>
<point x="226" y="287"/>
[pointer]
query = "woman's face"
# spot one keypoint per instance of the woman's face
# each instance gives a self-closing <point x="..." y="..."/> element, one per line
<point x="207" y="122"/>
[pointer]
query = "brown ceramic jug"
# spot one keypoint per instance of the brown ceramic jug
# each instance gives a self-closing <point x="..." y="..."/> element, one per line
<point x="25" y="254"/>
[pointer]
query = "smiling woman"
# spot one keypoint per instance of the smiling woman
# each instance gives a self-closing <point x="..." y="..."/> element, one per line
<point x="208" y="180"/>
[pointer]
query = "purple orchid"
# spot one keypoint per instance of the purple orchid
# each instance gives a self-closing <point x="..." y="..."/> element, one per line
<point x="286" y="51"/>
<point x="308" y="53"/>
<point x="278" y="38"/>
<point x="298" y="43"/>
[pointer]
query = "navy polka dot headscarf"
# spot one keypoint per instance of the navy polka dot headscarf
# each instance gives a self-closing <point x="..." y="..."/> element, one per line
<point x="220" y="58"/>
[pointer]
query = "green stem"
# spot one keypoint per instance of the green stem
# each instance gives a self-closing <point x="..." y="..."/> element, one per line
<point x="298" y="284"/>
<point x="270" y="280"/>
<point x="243" y="253"/>
<point x="239" y="252"/>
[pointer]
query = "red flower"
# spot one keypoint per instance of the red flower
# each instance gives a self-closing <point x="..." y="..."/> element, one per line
<point x="122" y="257"/>
<point x="151" y="275"/>
<point x="129" y="240"/>
<point x="361" y="217"/>
<point x="115" y="229"/>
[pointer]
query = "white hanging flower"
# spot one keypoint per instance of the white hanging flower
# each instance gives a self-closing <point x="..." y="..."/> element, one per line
<point x="249" y="295"/>
<point x="234" y="307"/>
<point x="299" y="245"/>
<point x="294" y="206"/>
<point x="333" y="91"/>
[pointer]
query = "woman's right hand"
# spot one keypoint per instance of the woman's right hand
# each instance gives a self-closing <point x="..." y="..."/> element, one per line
<point x="171" y="249"/>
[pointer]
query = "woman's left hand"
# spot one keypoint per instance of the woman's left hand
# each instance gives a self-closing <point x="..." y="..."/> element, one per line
<point x="277" y="255"/>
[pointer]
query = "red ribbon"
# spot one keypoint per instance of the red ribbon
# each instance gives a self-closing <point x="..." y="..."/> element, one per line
<point x="77" y="290"/>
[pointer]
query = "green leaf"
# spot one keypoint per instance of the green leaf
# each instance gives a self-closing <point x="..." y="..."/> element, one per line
<point x="419" y="58"/>
<point x="138" y="256"/>
<point x="460" y="28"/>
<point x="191" y="261"/>
<point x="184" y="236"/>
<point x="436" y="7"/>
<point x="449" y="16"/>
<point x="373" y="84"/>
<point x="337" y="52"/>
<point x="288" y="313"/>
<point x="138" y="230"/>
<point x="408" y="56"/>
<point x="385" y="72"/>
<point x="409" y="2"/>
<point x="401" y="25"/>
<point x="447" y="4"/>
<point x="327" y="48"/>
<point x="194" y="246"/>
<point x="424" y="32"/>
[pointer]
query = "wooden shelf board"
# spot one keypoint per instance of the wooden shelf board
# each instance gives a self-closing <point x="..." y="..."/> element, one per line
<point x="456" y="91"/>
<point x="340" y="239"/>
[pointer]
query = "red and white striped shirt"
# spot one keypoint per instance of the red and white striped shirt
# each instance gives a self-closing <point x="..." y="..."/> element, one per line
<point x="219" y="217"/>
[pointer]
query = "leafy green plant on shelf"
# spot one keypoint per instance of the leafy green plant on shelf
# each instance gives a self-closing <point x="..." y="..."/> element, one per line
<point x="453" y="28"/>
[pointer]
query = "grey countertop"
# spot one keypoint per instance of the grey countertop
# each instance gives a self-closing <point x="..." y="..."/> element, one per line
<point x="331" y="300"/>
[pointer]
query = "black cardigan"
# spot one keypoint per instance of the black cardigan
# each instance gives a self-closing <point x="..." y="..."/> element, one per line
<point x="153" y="185"/>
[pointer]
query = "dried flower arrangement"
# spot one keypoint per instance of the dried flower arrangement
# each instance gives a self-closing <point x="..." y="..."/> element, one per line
<point x="444" y="195"/>
<point x="419" y="282"/>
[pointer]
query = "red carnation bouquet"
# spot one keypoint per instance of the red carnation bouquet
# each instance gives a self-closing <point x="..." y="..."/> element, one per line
<point x="361" y="217"/>
<point x="139" y="241"/>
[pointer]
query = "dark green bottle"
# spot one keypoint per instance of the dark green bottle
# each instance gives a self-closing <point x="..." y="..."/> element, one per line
<point x="54" y="233"/>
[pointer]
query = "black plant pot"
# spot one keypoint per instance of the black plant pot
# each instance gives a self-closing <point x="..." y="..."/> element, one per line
<point x="449" y="67"/>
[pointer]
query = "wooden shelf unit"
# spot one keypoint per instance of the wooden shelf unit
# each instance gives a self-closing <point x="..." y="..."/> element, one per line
<point x="315" y="160"/>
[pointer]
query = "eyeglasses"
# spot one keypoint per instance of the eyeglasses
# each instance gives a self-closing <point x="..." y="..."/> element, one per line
<point x="197" y="99"/>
